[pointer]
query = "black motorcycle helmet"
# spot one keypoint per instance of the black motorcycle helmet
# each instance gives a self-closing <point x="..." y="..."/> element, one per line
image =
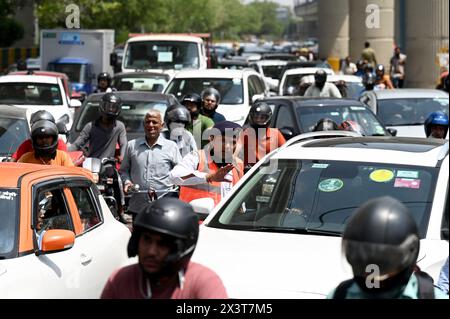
<point x="111" y="105"/>
<point x="173" y="218"/>
<point x="104" y="76"/>
<point x="40" y="128"/>
<point x="177" y="113"/>
<point x="320" y="78"/>
<point x="380" y="69"/>
<point x="382" y="232"/>
<point x="325" y="125"/>
<point x="260" y="115"/>
<point x="369" y="81"/>
<point x="41" y="115"/>
<point x="194" y="98"/>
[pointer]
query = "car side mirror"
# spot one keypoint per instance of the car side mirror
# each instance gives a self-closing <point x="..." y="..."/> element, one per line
<point x="75" y="103"/>
<point x="55" y="240"/>
<point x="287" y="132"/>
<point x="392" y="131"/>
<point x="113" y="59"/>
<point x="202" y="207"/>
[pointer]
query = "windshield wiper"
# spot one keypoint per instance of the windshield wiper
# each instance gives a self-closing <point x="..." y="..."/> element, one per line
<point x="292" y="230"/>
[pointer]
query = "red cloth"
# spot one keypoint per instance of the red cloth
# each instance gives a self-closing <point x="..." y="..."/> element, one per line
<point x="27" y="146"/>
<point x="200" y="283"/>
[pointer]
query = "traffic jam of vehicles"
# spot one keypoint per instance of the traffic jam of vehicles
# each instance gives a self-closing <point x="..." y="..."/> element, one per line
<point x="175" y="165"/>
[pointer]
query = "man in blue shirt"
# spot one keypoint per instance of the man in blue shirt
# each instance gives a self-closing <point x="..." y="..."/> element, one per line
<point x="211" y="100"/>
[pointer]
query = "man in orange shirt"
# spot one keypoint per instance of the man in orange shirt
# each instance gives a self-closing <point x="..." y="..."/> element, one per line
<point x="259" y="139"/>
<point x="44" y="137"/>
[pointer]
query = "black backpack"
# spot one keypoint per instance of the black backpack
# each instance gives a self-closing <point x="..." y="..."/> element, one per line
<point x="426" y="286"/>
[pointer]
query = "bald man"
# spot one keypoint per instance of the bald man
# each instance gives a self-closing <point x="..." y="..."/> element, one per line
<point x="148" y="160"/>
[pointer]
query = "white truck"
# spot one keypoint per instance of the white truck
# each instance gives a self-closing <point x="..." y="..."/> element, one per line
<point x="166" y="53"/>
<point x="81" y="54"/>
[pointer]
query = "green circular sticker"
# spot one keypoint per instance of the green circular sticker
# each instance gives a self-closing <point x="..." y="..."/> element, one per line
<point x="382" y="175"/>
<point x="331" y="185"/>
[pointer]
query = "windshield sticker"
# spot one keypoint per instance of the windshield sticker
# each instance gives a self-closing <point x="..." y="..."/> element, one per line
<point x="357" y="108"/>
<point x="379" y="129"/>
<point x="407" y="183"/>
<point x="262" y="199"/>
<point x="236" y="81"/>
<point x="331" y="185"/>
<point x="318" y="165"/>
<point x="334" y="113"/>
<point x="408" y="174"/>
<point x="165" y="57"/>
<point x="382" y="175"/>
<point x="8" y="195"/>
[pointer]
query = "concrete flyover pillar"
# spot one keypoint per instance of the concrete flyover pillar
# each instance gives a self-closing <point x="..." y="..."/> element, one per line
<point x="333" y="28"/>
<point x="427" y="28"/>
<point x="372" y="21"/>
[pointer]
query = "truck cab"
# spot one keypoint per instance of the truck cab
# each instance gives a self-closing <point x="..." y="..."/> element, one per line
<point x="166" y="53"/>
<point x="79" y="71"/>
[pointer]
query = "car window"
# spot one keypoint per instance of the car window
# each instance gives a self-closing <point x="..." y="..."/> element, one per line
<point x="319" y="196"/>
<point x="155" y="84"/>
<point x="231" y="90"/>
<point x="12" y="133"/>
<point x="284" y="118"/>
<point x="89" y="215"/>
<point x="132" y="114"/>
<point x="9" y="214"/>
<point x="258" y="85"/>
<point x="409" y="111"/>
<point x="363" y="118"/>
<point x="30" y="93"/>
<point x="51" y="211"/>
<point x="252" y="90"/>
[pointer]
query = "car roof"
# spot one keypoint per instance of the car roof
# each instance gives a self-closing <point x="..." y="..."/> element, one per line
<point x="133" y="96"/>
<point x="392" y="150"/>
<point x="409" y="94"/>
<point x="307" y="71"/>
<point x="140" y="74"/>
<point x="28" y="79"/>
<point x="165" y="37"/>
<point x="213" y="73"/>
<point x="12" y="173"/>
<point x="301" y="101"/>
<point x="12" y="111"/>
<point x="47" y="73"/>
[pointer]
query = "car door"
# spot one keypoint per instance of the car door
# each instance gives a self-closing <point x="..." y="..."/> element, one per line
<point x="101" y="247"/>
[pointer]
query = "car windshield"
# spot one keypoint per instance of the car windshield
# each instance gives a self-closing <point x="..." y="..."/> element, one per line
<point x="318" y="197"/>
<point x="154" y="83"/>
<point x="9" y="205"/>
<point x="30" y="93"/>
<point x="132" y="114"/>
<point x="409" y="111"/>
<point x="292" y="83"/>
<point x="273" y="71"/>
<point x="75" y="72"/>
<point x="12" y="133"/>
<point x="231" y="90"/>
<point x="162" y="55"/>
<point x="361" y="115"/>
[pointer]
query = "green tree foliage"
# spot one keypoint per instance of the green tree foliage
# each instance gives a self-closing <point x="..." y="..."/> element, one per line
<point x="11" y="30"/>
<point x="225" y="19"/>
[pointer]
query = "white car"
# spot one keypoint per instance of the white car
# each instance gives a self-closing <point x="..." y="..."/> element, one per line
<point x="238" y="89"/>
<point x="270" y="70"/>
<point x="353" y="83"/>
<point x="406" y="109"/>
<point x="38" y="92"/>
<point x="277" y="235"/>
<point x="291" y="79"/>
<point x="82" y="243"/>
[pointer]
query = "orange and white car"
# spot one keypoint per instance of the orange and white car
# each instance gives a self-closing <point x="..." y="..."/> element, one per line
<point x="58" y="238"/>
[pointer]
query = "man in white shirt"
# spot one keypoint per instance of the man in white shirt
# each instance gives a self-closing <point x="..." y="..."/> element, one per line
<point x="322" y="88"/>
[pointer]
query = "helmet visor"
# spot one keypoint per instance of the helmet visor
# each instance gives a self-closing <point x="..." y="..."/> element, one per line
<point x="260" y="118"/>
<point x="111" y="108"/>
<point x="382" y="261"/>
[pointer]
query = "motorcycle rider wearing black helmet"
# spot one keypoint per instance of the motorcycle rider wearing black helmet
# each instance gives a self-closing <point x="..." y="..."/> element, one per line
<point x="104" y="83"/>
<point x="164" y="237"/>
<point x="44" y="137"/>
<point x="369" y="81"/>
<point x="381" y="243"/>
<point x="199" y="123"/>
<point x="211" y="100"/>
<point x="322" y="88"/>
<point x="27" y="145"/>
<point x="176" y="118"/>
<point x="258" y="139"/>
